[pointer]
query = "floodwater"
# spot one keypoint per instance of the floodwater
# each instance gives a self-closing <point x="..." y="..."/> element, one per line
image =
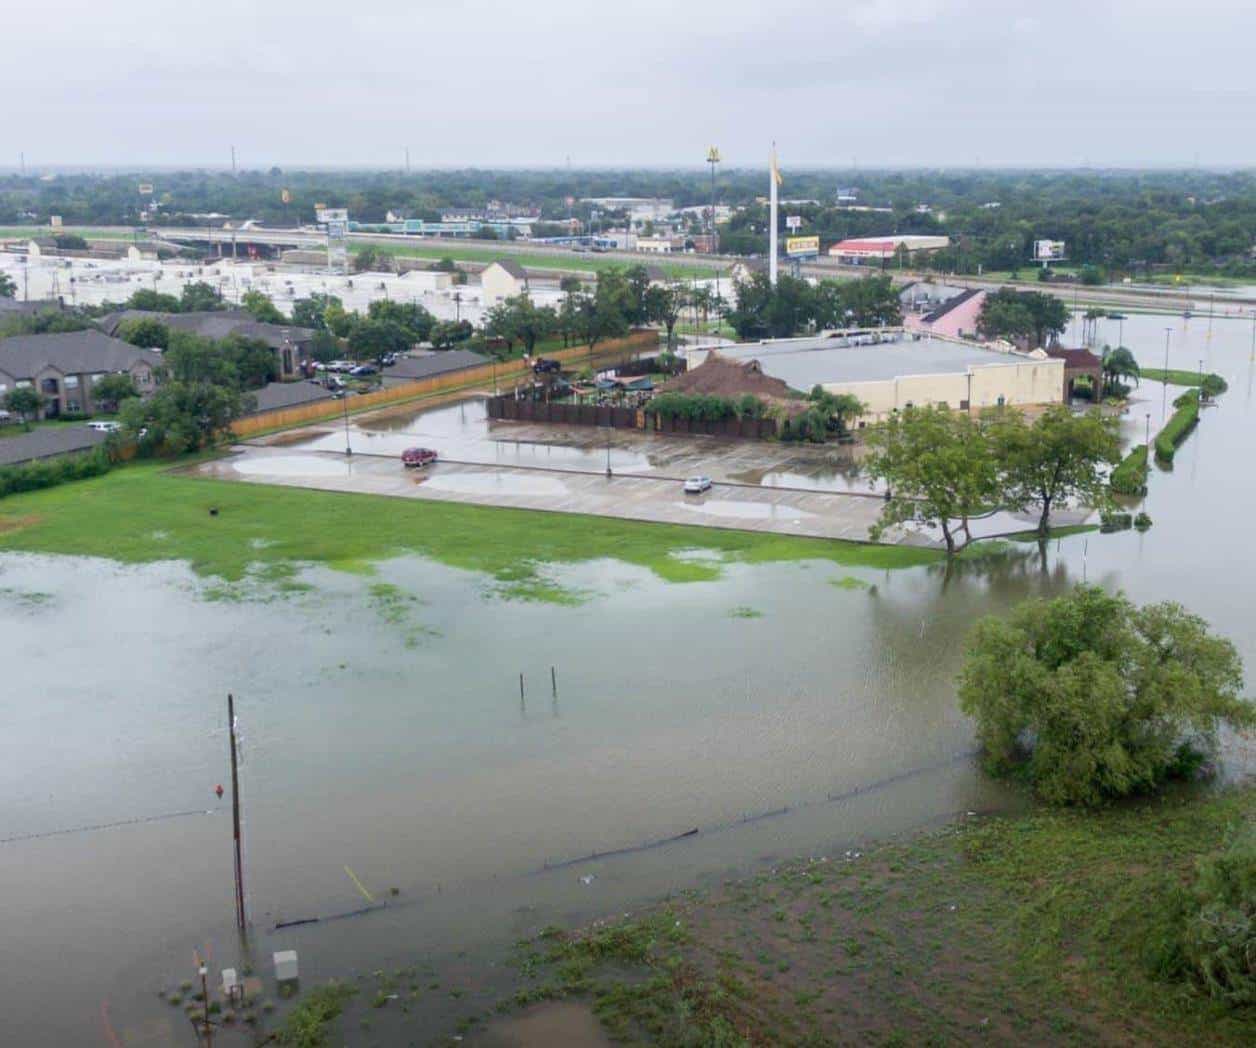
<point x="383" y="731"/>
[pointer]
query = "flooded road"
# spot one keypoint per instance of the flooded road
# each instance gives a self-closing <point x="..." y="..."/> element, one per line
<point x="384" y="732"/>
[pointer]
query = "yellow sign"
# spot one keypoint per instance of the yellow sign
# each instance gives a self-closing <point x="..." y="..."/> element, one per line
<point x="795" y="246"/>
<point x="286" y="197"/>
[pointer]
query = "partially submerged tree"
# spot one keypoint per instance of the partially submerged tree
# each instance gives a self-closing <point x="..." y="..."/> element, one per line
<point x="1091" y="698"/>
<point x="1060" y="457"/>
<point x="1118" y="363"/>
<point x="838" y="408"/>
<point x="939" y="469"/>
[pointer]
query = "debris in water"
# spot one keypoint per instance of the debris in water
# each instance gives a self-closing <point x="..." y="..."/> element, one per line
<point x="587" y="879"/>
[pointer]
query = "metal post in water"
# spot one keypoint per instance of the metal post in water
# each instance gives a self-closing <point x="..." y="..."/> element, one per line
<point x="241" y="917"/>
<point x="554" y="681"/>
<point x="521" y="703"/>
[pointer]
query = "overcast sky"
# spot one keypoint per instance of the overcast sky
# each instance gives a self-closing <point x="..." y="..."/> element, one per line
<point x="638" y="82"/>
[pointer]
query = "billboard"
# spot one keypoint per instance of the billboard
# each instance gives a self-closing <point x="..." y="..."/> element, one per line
<point x="331" y="214"/>
<point x="1048" y="250"/>
<point x="801" y="247"/>
<point x="793" y="223"/>
<point x="146" y="189"/>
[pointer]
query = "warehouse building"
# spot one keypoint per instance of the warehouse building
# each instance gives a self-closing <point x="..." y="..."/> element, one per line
<point x="902" y="372"/>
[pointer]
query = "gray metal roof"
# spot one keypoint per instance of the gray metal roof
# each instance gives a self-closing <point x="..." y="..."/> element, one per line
<point x="512" y="267"/>
<point x="70" y="352"/>
<point x="47" y="441"/>
<point x="805" y="362"/>
<point x="437" y="363"/>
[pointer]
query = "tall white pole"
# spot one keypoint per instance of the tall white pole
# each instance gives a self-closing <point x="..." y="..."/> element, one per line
<point x="772" y="218"/>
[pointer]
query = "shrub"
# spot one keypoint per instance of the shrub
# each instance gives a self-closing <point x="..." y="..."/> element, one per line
<point x="1090" y="698"/>
<point x="48" y="473"/>
<point x="1179" y="427"/>
<point x="1130" y="477"/>
<point x="1219" y="938"/>
<point x="1142" y="522"/>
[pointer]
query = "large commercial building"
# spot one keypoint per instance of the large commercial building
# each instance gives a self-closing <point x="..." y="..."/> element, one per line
<point x="903" y="371"/>
<point x="857" y="250"/>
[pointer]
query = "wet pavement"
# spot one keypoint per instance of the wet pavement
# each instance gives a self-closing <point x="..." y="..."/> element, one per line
<point x="815" y="514"/>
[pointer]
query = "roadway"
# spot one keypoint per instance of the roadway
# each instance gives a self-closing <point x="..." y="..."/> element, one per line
<point x="1106" y="296"/>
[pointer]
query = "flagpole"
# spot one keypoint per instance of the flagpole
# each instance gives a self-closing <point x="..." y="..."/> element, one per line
<point x="773" y="177"/>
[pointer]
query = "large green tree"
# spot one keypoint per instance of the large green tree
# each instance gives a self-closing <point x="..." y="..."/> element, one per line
<point x="1033" y="315"/>
<point x="1118" y="363"/>
<point x="8" y="289"/>
<point x="148" y="332"/>
<point x="311" y="312"/>
<point x="1058" y="458"/>
<point x="24" y="402"/>
<point x="1091" y="698"/>
<point x="258" y="304"/>
<point x="182" y="416"/>
<point x="199" y="297"/>
<point x="109" y="391"/>
<point x="939" y="469"/>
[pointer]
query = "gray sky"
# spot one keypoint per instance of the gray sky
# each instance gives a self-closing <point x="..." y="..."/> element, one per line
<point x="650" y="82"/>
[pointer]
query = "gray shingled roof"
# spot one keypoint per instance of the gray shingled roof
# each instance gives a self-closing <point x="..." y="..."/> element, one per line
<point x="437" y="363"/>
<point x="47" y="441"/>
<point x="512" y="267"/>
<point x="70" y="352"/>
<point x="275" y="395"/>
<point x="214" y="324"/>
<point x="12" y="307"/>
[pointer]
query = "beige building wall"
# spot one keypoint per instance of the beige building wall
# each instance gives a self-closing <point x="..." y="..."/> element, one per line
<point x="498" y="285"/>
<point x="1019" y="384"/>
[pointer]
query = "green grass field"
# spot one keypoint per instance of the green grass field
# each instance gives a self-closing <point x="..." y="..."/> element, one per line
<point x="90" y="232"/>
<point x="1043" y="928"/>
<point x="575" y="261"/>
<point x="142" y="513"/>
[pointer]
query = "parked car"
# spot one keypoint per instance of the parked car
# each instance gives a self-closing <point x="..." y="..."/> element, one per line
<point x="105" y="427"/>
<point x="418" y="457"/>
<point x="363" y="370"/>
<point x="389" y="359"/>
<point x="5" y="417"/>
<point x="541" y="365"/>
<point x="697" y="485"/>
<point x="340" y="365"/>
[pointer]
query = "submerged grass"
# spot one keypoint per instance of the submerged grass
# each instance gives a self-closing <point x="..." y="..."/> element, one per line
<point x="268" y="529"/>
<point x="1038" y="928"/>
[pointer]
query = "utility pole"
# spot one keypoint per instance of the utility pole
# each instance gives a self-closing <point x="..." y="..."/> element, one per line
<point x="241" y="916"/>
<point x="22" y="163"/>
<point x="713" y="158"/>
<point x="407" y="160"/>
<point x="233" y="160"/>
<point x="205" y="1025"/>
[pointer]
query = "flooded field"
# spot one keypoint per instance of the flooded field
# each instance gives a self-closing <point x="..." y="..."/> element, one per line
<point x="781" y="709"/>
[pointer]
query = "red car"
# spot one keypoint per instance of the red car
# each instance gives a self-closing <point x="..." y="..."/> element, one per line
<point x="418" y="457"/>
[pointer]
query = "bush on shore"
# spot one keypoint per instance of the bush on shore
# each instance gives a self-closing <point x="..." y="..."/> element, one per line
<point x="48" y="473"/>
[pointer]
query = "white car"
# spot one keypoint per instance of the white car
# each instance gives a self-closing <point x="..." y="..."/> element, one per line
<point x="697" y="485"/>
<point x="105" y="427"/>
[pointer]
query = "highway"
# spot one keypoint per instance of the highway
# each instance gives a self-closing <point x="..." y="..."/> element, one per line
<point x="1108" y="296"/>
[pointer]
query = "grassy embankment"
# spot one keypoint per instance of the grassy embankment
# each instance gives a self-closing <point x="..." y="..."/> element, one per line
<point x="574" y="260"/>
<point x="141" y="514"/>
<point x="88" y="232"/>
<point x="1130" y="477"/>
<point x="1042" y="928"/>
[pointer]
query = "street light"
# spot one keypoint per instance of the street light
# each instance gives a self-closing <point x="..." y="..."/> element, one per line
<point x="713" y="158"/>
<point x="344" y="401"/>
<point x="1164" y="400"/>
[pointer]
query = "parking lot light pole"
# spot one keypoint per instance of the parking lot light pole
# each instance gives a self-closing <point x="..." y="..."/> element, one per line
<point x="344" y="400"/>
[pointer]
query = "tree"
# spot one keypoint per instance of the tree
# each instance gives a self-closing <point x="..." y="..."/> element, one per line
<point x="182" y="416"/>
<point x="199" y="297"/>
<point x="191" y="359"/>
<point x="260" y="307"/>
<point x="8" y="289"/>
<point x="764" y="311"/>
<point x="252" y="360"/>
<point x="372" y="339"/>
<point x="410" y="316"/>
<point x="1092" y="698"/>
<point x="445" y="265"/>
<point x="520" y="319"/>
<point x="311" y="312"/>
<point x="595" y="317"/>
<point x="25" y="402"/>
<point x="153" y="301"/>
<point x="1060" y="457"/>
<point x="1032" y="315"/>
<point x="938" y="468"/>
<point x="148" y="332"/>
<point x="112" y="389"/>
<point x="70" y="242"/>
<point x="837" y="408"/>
<point x="662" y="305"/>
<point x="1117" y="364"/>
<point x="446" y="333"/>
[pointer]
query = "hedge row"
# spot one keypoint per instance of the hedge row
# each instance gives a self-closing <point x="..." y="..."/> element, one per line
<point x="701" y="407"/>
<point x="1179" y="427"/>
<point x="1213" y="384"/>
<point x="1130" y="477"/>
<point x="48" y="473"/>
